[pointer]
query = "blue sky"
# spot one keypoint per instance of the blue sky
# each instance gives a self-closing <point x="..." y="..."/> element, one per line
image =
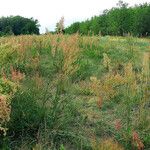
<point x="48" y="12"/>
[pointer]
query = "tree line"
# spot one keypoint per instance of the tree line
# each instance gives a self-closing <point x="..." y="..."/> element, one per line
<point x="120" y="20"/>
<point x="17" y="25"/>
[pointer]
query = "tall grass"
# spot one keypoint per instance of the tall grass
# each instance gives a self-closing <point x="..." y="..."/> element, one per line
<point x="74" y="92"/>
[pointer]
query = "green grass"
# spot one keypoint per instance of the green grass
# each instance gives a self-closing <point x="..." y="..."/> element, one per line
<point x="70" y="97"/>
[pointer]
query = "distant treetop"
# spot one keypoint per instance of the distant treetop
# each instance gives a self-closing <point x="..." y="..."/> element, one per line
<point x="120" y="20"/>
<point x="17" y="25"/>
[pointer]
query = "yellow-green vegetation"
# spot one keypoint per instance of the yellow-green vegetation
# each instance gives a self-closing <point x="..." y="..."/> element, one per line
<point x="71" y="92"/>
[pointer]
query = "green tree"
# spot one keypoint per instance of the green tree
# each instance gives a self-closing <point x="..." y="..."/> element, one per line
<point x="74" y="28"/>
<point x="18" y="25"/>
<point x="119" y="20"/>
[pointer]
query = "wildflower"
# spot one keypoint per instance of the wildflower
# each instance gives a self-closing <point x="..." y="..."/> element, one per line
<point x="93" y="79"/>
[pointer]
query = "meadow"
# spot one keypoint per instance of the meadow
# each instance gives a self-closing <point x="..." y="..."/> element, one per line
<point x="73" y="92"/>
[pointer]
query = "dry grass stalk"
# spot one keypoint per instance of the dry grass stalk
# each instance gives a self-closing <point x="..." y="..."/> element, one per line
<point x="108" y="144"/>
<point x="4" y="113"/>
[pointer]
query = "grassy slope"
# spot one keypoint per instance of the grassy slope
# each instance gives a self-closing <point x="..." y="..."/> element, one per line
<point x="85" y="91"/>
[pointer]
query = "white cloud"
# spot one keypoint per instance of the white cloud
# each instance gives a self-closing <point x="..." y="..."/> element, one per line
<point x="48" y="12"/>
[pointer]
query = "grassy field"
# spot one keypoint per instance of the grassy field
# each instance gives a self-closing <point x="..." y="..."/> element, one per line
<point x="70" y="92"/>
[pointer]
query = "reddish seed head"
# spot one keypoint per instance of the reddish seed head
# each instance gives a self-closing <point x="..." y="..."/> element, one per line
<point x="118" y="125"/>
<point x="99" y="102"/>
<point x="135" y="136"/>
<point x="137" y="140"/>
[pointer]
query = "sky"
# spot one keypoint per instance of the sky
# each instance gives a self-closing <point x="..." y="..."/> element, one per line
<point x="49" y="12"/>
